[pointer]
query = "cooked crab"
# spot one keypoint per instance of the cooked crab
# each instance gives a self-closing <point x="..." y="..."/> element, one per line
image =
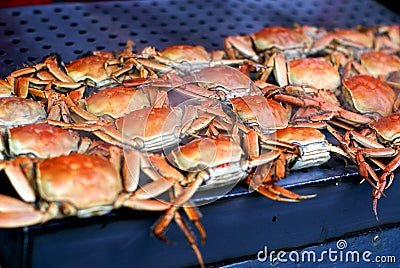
<point x="98" y="71"/>
<point x="325" y="108"/>
<point x="44" y="76"/>
<point x="157" y="127"/>
<point x="356" y="107"/>
<point x="310" y="148"/>
<point x="313" y="72"/>
<point x="350" y="42"/>
<point x="6" y="89"/>
<point x="316" y="72"/>
<point x="260" y="45"/>
<point x="387" y="39"/>
<point x="175" y="55"/>
<point x="375" y="63"/>
<point x="114" y="102"/>
<point x="42" y="140"/>
<point x="357" y="92"/>
<point x="16" y="111"/>
<point x="63" y="184"/>
<point x="380" y="64"/>
<point x="380" y="140"/>
<point x="265" y="114"/>
<point x="221" y="162"/>
<point x="219" y="82"/>
<point x="314" y="149"/>
<point x="79" y="185"/>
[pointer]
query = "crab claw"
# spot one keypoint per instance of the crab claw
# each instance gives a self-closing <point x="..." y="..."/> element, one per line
<point x="15" y="213"/>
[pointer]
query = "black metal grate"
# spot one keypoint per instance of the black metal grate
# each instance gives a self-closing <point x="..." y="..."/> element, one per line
<point x="30" y="33"/>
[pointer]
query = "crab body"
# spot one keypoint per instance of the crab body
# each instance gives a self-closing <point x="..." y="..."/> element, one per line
<point x="357" y="92"/>
<point x="41" y="140"/>
<point x="116" y="101"/>
<point x="269" y="40"/>
<point x="265" y="114"/>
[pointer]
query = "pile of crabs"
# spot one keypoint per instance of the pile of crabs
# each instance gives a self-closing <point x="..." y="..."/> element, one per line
<point x="148" y="130"/>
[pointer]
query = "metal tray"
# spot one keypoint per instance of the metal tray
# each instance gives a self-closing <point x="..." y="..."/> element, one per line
<point x="240" y="223"/>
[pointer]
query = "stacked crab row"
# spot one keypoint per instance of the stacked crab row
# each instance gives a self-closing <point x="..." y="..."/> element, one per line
<point x="148" y="130"/>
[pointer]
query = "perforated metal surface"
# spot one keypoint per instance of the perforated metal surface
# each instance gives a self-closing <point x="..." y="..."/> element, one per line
<point x="30" y="33"/>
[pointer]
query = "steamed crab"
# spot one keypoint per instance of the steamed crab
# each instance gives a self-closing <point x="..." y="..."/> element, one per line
<point x="310" y="148"/>
<point x="357" y="92"/>
<point x="264" y="114"/>
<point x="325" y="108"/>
<point x="316" y="72"/>
<point x="39" y="78"/>
<point x="350" y="42"/>
<point x="82" y="185"/>
<point x="387" y="38"/>
<point x="260" y="45"/>
<point x="219" y="82"/>
<point x="6" y="89"/>
<point x="379" y="64"/>
<point x="16" y="111"/>
<point x="97" y="70"/>
<point x="353" y="108"/>
<point x="155" y="127"/>
<point x="313" y="72"/>
<point x="42" y="141"/>
<point x="176" y="55"/>
<point x="385" y="67"/>
<point x="221" y="162"/>
<point x="379" y="140"/>
<point x="112" y="103"/>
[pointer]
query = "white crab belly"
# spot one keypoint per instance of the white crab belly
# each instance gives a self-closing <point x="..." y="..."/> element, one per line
<point x="313" y="154"/>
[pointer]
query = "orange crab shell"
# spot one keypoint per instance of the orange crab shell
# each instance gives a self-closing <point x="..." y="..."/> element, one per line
<point x="91" y="67"/>
<point x="379" y="63"/>
<point x="299" y="135"/>
<point x="387" y="128"/>
<point x="150" y="122"/>
<point x="116" y="101"/>
<point x="278" y="37"/>
<point x="186" y="53"/>
<point x="18" y="111"/>
<point x="41" y="140"/>
<point x="367" y="94"/>
<point x="344" y="37"/>
<point x="221" y="75"/>
<point x="206" y="153"/>
<point x="79" y="179"/>
<point x="314" y="72"/>
<point x="363" y="38"/>
<point x="267" y="113"/>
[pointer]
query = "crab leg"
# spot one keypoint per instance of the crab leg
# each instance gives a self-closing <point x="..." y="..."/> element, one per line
<point x="365" y="169"/>
<point x="16" y="213"/>
<point x="143" y="204"/>
<point x="263" y="183"/>
<point x="173" y="213"/>
<point x="266" y="187"/>
<point x="391" y="167"/>
<point x="194" y="215"/>
<point x="189" y="237"/>
<point x="19" y="181"/>
<point x="183" y="197"/>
